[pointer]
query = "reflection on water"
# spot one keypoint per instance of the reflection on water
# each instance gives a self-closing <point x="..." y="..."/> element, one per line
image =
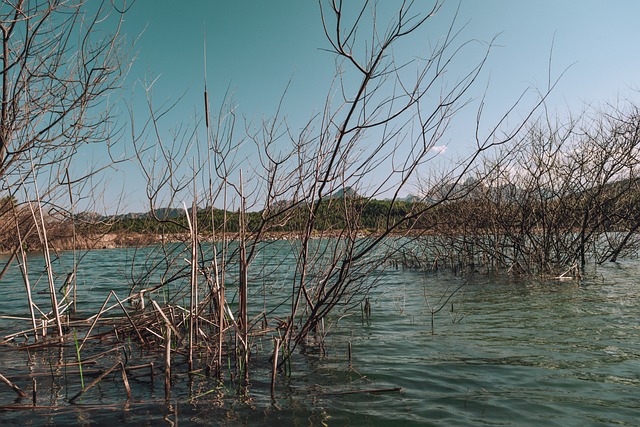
<point x="499" y="352"/>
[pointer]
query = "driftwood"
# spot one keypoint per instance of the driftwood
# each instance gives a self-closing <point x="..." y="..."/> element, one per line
<point x="13" y="386"/>
<point x="97" y="380"/>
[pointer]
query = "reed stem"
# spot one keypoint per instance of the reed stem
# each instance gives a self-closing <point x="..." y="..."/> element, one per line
<point x="94" y="382"/>
<point x="167" y="364"/>
<point x="243" y="317"/>
<point x="15" y="388"/>
<point x="274" y="366"/>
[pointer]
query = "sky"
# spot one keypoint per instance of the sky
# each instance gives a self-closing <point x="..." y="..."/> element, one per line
<point x="255" y="49"/>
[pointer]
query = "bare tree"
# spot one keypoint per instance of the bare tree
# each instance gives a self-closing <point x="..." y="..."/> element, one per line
<point x="559" y="197"/>
<point x="383" y="118"/>
<point x="59" y="66"/>
<point x="60" y="62"/>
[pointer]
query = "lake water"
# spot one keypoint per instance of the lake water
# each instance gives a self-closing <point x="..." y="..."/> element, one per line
<point x="502" y="351"/>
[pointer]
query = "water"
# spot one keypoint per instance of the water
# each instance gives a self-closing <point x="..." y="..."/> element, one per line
<point x="499" y="352"/>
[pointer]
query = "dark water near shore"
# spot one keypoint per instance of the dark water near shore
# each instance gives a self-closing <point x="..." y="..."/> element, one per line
<point x="500" y="352"/>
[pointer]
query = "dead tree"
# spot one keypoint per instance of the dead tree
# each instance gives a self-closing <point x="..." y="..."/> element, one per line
<point x="61" y="63"/>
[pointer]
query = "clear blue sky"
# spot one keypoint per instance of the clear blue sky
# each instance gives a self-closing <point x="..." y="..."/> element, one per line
<point x="254" y="47"/>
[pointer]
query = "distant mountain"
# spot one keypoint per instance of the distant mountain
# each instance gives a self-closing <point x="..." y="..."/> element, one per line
<point x="161" y="213"/>
<point x="411" y="198"/>
<point x="169" y="213"/>
<point x="344" y="192"/>
<point x="88" y="216"/>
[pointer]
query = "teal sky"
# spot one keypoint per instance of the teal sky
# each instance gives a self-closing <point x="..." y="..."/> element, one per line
<point x="255" y="47"/>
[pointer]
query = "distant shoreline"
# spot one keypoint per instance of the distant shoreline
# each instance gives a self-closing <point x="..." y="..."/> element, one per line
<point x="137" y="239"/>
